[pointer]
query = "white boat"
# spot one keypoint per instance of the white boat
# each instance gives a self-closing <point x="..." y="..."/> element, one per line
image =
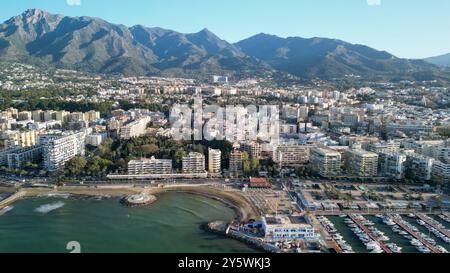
<point x="377" y="250"/>
<point x="372" y="245"/>
<point x="394" y="248"/>
<point x="389" y="222"/>
<point x="416" y="242"/>
<point x="423" y="249"/>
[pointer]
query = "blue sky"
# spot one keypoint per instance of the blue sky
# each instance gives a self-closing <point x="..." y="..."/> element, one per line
<point x="406" y="28"/>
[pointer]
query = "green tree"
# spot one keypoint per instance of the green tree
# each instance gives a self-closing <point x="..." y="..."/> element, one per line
<point x="178" y="158"/>
<point x="149" y="149"/>
<point x="246" y="163"/>
<point x="254" y="164"/>
<point x="75" y="166"/>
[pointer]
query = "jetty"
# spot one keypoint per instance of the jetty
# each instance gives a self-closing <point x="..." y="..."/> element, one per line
<point x="415" y="235"/>
<point x="369" y="233"/>
<point x="11" y="199"/>
<point x="427" y="220"/>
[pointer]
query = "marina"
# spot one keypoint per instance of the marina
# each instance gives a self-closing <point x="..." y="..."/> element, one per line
<point x="432" y="235"/>
<point x="443" y="219"/>
<point x="385" y="233"/>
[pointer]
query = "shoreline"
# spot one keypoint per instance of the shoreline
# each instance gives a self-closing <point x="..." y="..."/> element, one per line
<point x="233" y="199"/>
<point x="243" y="208"/>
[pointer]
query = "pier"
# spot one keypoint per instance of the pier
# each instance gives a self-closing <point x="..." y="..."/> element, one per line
<point x="334" y="245"/>
<point x="366" y="230"/>
<point x="11" y="199"/>
<point x="415" y="235"/>
<point x="426" y="220"/>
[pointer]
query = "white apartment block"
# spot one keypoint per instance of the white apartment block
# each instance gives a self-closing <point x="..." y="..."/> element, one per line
<point x="193" y="163"/>
<point x="419" y="167"/>
<point x="441" y="171"/>
<point x="290" y="155"/>
<point x="214" y="161"/>
<point x="19" y="157"/>
<point x="150" y="166"/>
<point x="21" y="138"/>
<point x="57" y="149"/>
<point x="385" y="147"/>
<point x="392" y="165"/>
<point x="135" y="128"/>
<point x="95" y="139"/>
<point x="325" y="162"/>
<point x="361" y="163"/>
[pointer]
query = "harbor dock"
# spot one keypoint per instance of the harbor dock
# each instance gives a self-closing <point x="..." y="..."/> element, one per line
<point x="426" y="220"/>
<point x="369" y="233"/>
<point x="415" y="235"/>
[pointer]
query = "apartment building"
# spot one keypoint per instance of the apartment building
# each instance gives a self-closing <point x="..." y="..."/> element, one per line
<point x="214" y="161"/>
<point x="17" y="158"/>
<point x="20" y="138"/>
<point x="419" y="167"/>
<point x="392" y="165"/>
<point x="384" y="147"/>
<point x="135" y="128"/>
<point x="361" y="163"/>
<point x="253" y="148"/>
<point x="236" y="162"/>
<point x="291" y="155"/>
<point x="150" y="166"/>
<point x="441" y="172"/>
<point x="193" y="163"/>
<point x="59" y="148"/>
<point x="325" y="162"/>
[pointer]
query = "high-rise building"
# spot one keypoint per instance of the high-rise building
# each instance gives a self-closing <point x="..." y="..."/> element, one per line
<point x="236" y="162"/>
<point x="392" y="165"/>
<point x="325" y="162"/>
<point x="59" y="148"/>
<point x="441" y="172"/>
<point x="150" y="166"/>
<point x="361" y="163"/>
<point x="214" y="161"/>
<point x="291" y="155"/>
<point x="253" y="148"/>
<point x="419" y="167"/>
<point x="194" y="163"/>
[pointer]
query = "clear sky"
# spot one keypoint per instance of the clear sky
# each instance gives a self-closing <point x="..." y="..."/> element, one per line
<point x="406" y="28"/>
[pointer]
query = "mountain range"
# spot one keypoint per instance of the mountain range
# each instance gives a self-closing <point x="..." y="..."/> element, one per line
<point x="442" y="60"/>
<point x="95" y="45"/>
